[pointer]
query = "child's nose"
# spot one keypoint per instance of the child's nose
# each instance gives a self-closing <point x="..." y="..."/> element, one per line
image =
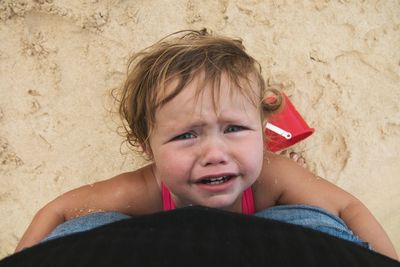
<point x="214" y="152"/>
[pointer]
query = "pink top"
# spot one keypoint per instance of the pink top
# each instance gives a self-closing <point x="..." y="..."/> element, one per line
<point x="247" y="200"/>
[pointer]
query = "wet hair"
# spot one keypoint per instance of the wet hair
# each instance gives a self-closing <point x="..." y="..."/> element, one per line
<point x="182" y="56"/>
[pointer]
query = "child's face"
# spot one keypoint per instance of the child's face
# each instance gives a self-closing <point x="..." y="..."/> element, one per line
<point x="193" y="143"/>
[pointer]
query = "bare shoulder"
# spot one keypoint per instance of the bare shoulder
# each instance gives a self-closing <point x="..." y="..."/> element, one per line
<point x="269" y="187"/>
<point x="283" y="181"/>
<point x="137" y="190"/>
<point x="133" y="193"/>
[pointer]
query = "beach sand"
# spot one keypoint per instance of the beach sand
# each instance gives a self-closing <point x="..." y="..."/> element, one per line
<point x="338" y="61"/>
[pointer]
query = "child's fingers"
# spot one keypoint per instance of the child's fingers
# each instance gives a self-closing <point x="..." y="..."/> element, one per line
<point x="298" y="158"/>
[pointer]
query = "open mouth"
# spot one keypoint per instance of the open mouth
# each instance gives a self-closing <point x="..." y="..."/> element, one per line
<point x="216" y="180"/>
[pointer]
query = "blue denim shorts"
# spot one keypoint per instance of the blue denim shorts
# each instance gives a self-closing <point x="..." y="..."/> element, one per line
<point x="85" y="223"/>
<point x="307" y="216"/>
<point x="312" y="217"/>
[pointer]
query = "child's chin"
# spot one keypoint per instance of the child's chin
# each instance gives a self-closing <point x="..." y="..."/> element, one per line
<point x="227" y="204"/>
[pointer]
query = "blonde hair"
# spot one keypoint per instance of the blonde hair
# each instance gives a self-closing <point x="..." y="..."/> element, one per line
<point x="183" y="55"/>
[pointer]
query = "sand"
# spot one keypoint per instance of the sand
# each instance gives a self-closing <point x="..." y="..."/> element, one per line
<point x="338" y="61"/>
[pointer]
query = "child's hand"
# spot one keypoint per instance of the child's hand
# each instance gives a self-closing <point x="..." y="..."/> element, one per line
<point x="129" y="193"/>
<point x="42" y="224"/>
<point x="296" y="157"/>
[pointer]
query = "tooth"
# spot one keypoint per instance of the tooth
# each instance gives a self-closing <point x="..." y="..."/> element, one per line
<point x="215" y="180"/>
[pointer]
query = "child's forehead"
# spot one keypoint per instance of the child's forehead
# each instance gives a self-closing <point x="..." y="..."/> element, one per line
<point x="214" y="86"/>
<point x="204" y="109"/>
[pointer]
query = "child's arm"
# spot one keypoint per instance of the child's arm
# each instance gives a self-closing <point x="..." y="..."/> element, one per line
<point x="293" y="184"/>
<point x="130" y="193"/>
<point x="363" y="224"/>
<point x="45" y="220"/>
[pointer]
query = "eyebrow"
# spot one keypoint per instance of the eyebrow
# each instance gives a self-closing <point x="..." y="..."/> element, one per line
<point x="200" y="123"/>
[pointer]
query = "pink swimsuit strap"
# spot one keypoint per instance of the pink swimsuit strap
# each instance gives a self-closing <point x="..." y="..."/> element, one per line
<point x="247" y="200"/>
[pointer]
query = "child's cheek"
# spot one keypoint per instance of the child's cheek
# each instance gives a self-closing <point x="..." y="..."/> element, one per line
<point x="172" y="164"/>
<point x="253" y="152"/>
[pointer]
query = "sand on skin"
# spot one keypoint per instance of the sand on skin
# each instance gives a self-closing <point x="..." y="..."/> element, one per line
<point x="338" y="61"/>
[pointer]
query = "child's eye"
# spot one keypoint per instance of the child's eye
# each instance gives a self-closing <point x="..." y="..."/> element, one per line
<point x="234" y="128"/>
<point x="184" y="136"/>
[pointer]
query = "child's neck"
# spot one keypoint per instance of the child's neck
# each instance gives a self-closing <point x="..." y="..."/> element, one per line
<point x="236" y="207"/>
